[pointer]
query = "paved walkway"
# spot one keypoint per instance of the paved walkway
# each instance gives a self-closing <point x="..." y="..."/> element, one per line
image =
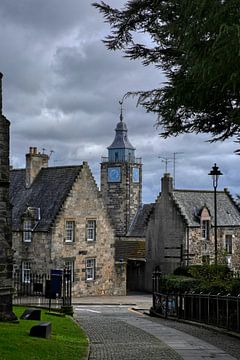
<point x="129" y="335"/>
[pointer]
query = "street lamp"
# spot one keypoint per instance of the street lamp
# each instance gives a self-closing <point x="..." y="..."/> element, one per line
<point x="215" y="173"/>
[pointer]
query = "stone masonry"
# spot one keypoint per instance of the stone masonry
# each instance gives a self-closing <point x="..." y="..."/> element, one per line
<point x="5" y="220"/>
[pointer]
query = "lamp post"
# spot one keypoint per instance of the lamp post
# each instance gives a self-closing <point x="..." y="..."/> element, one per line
<point x="215" y="173"/>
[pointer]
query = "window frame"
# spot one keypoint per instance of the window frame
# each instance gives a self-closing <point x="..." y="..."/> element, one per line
<point x="229" y="245"/>
<point x="69" y="264"/>
<point x="26" y="272"/>
<point x="69" y="239"/>
<point x="27" y="230"/>
<point x="90" y="267"/>
<point x="92" y="230"/>
<point x="205" y="229"/>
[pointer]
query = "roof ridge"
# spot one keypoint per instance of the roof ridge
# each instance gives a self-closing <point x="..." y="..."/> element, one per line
<point x="197" y="191"/>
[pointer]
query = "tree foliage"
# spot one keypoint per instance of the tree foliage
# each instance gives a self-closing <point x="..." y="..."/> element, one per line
<point x="197" y="45"/>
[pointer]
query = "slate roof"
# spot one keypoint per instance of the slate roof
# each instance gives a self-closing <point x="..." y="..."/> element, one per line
<point x="139" y="224"/>
<point x="121" y="140"/>
<point x="190" y="203"/>
<point x="47" y="192"/>
<point x="130" y="249"/>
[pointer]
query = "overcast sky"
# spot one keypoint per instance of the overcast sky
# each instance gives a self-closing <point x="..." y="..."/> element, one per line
<point x="61" y="89"/>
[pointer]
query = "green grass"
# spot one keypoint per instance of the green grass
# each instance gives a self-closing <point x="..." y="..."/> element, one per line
<point x="67" y="340"/>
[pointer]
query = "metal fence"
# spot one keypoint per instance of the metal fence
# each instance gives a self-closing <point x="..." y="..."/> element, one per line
<point x="218" y="310"/>
<point x="53" y="290"/>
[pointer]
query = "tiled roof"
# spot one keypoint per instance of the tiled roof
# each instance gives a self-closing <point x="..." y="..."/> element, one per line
<point x="190" y="202"/>
<point x="47" y="192"/>
<point x="139" y="224"/>
<point x="130" y="249"/>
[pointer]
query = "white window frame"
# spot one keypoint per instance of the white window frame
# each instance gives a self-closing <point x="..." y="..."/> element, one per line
<point x="90" y="269"/>
<point x="27" y="230"/>
<point x="69" y="265"/>
<point x="26" y="272"/>
<point x="205" y="229"/>
<point x="69" y="231"/>
<point x="229" y="244"/>
<point x="91" y="230"/>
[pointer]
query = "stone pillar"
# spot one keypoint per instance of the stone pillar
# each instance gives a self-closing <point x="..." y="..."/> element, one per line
<point x="6" y="258"/>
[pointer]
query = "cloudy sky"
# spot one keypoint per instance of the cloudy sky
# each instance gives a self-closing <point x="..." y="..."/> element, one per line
<point x="61" y="89"/>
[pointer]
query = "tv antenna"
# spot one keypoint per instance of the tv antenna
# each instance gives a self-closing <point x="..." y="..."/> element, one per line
<point x="174" y="167"/>
<point x="165" y="160"/>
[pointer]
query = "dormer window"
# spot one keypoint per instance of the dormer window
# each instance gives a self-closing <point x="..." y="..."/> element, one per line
<point x="205" y="223"/>
<point x="27" y="230"/>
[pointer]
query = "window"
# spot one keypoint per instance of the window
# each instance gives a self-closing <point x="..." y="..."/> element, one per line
<point x="26" y="272"/>
<point x="90" y="269"/>
<point x="69" y="231"/>
<point x="91" y="230"/>
<point x="205" y="229"/>
<point x="27" y="231"/>
<point x="228" y="244"/>
<point x="69" y="265"/>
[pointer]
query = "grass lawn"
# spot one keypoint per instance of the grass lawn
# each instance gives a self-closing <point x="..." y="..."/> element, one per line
<point x="67" y="340"/>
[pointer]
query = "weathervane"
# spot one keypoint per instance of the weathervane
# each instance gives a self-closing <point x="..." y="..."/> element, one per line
<point x="121" y="104"/>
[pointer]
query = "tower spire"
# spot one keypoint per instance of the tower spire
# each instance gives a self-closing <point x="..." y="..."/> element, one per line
<point x="121" y="110"/>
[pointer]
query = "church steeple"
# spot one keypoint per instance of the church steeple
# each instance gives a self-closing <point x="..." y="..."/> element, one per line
<point x="121" y="150"/>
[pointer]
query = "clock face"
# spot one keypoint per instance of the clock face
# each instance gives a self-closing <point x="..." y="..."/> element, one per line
<point x="114" y="174"/>
<point x="135" y="174"/>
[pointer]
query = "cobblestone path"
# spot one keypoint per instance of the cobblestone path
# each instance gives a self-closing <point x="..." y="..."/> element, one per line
<point x="118" y="334"/>
<point x="113" y="339"/>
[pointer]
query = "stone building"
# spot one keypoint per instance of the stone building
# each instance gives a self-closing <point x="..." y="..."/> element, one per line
<point x="6" y="258"/>
<point x="108" y="238"/>
<point x="180" y="229"/>
<point x="59" y="221"/>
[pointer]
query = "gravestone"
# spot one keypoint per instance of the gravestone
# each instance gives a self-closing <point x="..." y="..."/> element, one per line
<point x="31" y="314"/>
<point x="42" y="330"/>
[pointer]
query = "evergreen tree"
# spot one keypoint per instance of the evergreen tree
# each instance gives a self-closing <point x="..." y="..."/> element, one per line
<point x="196" y="43"/>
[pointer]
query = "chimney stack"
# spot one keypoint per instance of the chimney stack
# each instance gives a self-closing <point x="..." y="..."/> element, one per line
<point x="167" y="184"/>
<point x="35" y="161"/>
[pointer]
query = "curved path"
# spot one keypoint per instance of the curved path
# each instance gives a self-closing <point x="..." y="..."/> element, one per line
<point x="117" y="332"/>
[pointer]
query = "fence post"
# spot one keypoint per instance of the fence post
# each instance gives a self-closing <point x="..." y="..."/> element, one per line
<point x="217" y="308"/>
<point x="208" y="308"/>
<point x="153" y="289"/>
<point x="199" y="307"/>
<point x="227" y="310"/>
<point x="238" y="312"/>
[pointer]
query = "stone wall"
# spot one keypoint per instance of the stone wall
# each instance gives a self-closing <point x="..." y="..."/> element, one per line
<point x="121" y="198"/>
<point x="37" y="252"/>
<point x="5" y="217"/>
<point x="202" y="247"/>
<point x="165" y="229"/>
<point x="83" y="203"/>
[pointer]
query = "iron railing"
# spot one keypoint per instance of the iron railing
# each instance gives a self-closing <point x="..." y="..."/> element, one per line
<point x="105" y="159"/>
<point x="217" y="310"/>
<point x="42" y="289"/>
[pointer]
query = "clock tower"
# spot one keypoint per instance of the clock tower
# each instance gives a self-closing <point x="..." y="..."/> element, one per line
<point x="121" y="180"/>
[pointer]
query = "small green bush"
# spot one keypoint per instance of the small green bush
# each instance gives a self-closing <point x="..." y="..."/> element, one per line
<point x="177" y="284"/>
